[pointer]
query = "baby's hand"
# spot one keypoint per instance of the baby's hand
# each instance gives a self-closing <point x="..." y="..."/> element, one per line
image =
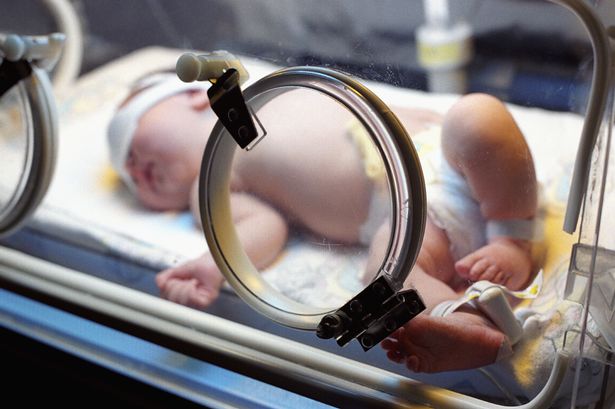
<point x="195" y="283"/>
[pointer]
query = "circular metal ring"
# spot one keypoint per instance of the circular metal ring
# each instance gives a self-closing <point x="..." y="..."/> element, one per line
<point x="406" y="186"/>
<point x="37" y="93"/>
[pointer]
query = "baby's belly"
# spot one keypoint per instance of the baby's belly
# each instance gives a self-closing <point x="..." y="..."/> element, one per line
<point x="338" y="213"/>
<point x="321" y="188"/>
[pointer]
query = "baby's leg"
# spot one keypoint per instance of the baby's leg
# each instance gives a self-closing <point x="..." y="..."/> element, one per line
<point x="461" y="340"/>
<point x="482" y="141"/>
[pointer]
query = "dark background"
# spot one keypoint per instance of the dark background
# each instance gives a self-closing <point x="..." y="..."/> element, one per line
<point x="531" y="53"/>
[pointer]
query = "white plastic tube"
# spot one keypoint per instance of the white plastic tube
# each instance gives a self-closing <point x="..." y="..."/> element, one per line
<point x="69" y="65"/>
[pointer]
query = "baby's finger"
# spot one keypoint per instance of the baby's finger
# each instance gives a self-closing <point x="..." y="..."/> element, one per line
<point x="201" y="299"/>
<point x="389" y="344"/>
<point x="413" y="363"/>
<point x="179" y="291"/>
<point x="162" y="278"/>
<point x="396" y="356"/>
<point x="169" y="290"/>
<point x="398" y="334"/>
<point x="164" y="289"/>
<point x="181" y="272"/>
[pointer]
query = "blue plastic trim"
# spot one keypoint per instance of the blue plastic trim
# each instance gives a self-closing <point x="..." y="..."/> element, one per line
<point x="167" y="370"/>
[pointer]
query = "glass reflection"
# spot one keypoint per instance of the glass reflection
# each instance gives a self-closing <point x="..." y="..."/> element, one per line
<point x="519" y="57"/>
<point x="309" y="198"/>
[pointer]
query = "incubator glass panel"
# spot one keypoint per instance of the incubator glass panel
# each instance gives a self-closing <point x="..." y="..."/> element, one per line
<point x="15" y="147"/>
<point x="316" y="183"/>
<point x="591" y="281"/>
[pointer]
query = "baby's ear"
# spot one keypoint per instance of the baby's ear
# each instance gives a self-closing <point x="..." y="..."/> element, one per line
<point x="198" y="99"/>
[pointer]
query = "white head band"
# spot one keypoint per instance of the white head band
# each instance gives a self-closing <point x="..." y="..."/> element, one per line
<point x="122" y="127"/>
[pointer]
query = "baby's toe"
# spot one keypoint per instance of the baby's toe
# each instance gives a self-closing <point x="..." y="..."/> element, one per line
<point x="500" y="278"/>
<point x="464" y="265"/>
<point x="479" y="269"/>
<point x="489" y="273"/>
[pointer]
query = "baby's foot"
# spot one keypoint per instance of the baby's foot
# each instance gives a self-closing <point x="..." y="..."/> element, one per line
<point x="503" y="261"/>
<point x="460" y="340"/>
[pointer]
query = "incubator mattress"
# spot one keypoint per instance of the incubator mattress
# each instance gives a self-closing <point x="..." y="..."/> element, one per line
<point x="87" y="204"/>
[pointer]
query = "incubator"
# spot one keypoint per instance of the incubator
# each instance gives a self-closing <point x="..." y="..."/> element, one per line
<point x="315" y="192"/>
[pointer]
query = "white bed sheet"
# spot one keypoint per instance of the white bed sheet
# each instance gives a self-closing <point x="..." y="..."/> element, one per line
<point x="84" y="190"/>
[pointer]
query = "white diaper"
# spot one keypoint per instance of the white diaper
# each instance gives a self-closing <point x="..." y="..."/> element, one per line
<point x="373" y="166"/>
<point x="451" y="207"/>
<point x="450" y="204"/>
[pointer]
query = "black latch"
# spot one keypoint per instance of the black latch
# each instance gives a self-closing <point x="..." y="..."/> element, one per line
<point x="229" y="105"/>
<point x="11" y="72"/>
<point x="371" y="316"/>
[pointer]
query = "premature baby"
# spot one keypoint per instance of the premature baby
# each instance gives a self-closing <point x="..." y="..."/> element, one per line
<point x="157" y="138"/>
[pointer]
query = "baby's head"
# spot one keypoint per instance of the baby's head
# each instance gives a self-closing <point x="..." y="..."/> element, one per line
<point x="156" y="139"/>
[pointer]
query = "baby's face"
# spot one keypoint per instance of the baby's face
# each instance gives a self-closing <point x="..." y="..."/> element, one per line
<point x="166" y="150"/>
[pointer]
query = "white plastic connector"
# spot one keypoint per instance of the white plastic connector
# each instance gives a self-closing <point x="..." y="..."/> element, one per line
<point x="492" y="300"/>
<point x="207" y="67"/>
<point x="494" y="304"/>
<point x="44" y="51"/>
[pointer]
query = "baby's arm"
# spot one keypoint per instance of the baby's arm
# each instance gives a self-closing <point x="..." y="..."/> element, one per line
<point x="262" y="231"/>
